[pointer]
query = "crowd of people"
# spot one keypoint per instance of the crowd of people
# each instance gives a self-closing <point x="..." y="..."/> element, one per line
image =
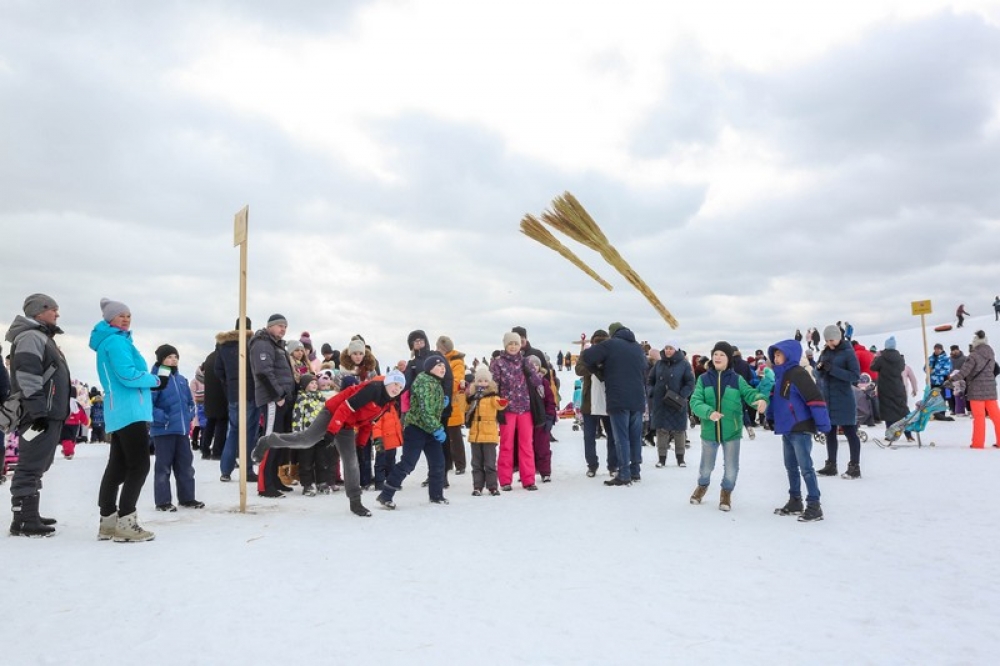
<point x="334" y="419"/>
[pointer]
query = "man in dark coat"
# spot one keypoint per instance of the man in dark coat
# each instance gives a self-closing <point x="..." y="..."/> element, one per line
<point x="227" y="369"/>
<point x="672" y="371"/>
<point x="593" y="409"/>
<point x="889" y="365"/>
<point x="274" y="392"/>
<point x="38" y="370"/>
<point x="838" y="371"/>
<point x="216" y="411"/>
<point x="526" y="347"/>
<point x="624" y="367"/>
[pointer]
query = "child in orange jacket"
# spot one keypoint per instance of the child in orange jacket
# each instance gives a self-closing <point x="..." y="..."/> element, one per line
<point x="387" y="436"/>
<point x="484" y="405"/>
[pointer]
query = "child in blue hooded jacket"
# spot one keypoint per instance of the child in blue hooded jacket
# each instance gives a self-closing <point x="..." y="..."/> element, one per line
<point x="798" y="411"/>
<point x="173" y="410"/>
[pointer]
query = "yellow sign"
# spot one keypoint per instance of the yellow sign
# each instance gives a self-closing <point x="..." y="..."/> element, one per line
<point x="240" y="226"/>
<point x="920" y="307"/>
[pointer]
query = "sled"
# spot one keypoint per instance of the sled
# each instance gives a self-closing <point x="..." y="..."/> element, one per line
<point x="567" y="412"/>
<point x="942" y="328"/>
<point x="916" y="421"/>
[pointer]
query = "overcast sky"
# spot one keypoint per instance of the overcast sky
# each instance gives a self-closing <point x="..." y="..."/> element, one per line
<point x="764" y="166"/>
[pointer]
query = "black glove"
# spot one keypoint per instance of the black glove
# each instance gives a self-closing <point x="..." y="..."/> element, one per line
<point x="329" y="439"/>
<point x="163" y="382"/>
<point x="40" y="424"/>
<point x="822" y="366"/>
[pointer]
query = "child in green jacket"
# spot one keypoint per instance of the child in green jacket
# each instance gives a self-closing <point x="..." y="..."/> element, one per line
<point x="718" y="400"/>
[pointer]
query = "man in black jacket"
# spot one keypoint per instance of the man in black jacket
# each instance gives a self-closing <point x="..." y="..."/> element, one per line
<point x="623" y="364"/>
<point x="227" y="369"/>
<point x="39" y="371"/>
<point x="274" y="393"/>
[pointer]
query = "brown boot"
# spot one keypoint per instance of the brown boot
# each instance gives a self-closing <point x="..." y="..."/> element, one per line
<point x="726" y="500"/>
<point x="698" y="493"/>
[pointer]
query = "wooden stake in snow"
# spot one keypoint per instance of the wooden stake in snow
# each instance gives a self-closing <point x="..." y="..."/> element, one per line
<point x="240" y="231"/>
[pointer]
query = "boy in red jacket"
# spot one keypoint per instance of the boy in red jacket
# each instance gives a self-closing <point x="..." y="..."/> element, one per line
<point x="346" y="421"/>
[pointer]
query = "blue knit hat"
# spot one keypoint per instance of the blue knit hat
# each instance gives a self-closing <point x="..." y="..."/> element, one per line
<point x="395" y="377"/>
<point x="890" y="342"/>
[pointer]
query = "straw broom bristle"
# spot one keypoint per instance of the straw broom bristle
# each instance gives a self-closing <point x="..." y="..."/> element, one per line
<point x="532" y="228"/>
<point x="572" y="219"/>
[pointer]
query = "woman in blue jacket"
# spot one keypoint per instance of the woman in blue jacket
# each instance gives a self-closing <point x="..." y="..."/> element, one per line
<point x="128" y="409"/>
<point x="173" y="411"/>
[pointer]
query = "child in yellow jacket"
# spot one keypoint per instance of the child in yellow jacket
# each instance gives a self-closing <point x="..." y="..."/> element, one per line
<point x="482" y="416"/>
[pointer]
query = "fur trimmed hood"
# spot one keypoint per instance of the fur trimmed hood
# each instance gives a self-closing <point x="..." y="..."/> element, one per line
<point x="230" y="336"/>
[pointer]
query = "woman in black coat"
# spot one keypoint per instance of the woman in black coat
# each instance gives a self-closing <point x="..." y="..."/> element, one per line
<point x="889" y="365"/>
<point x="672" y="371"/>
<point x="837" y="371"/>
<point x="216" y="412"/>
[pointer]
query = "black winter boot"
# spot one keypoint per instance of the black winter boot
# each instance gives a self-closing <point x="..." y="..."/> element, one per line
<point x="853" y="471"/>
<point x="812" y="513"/>
<point x="26" y="521"/>
<point x="662" y="462"/>
<point x="358" y="509"/>
<point x="830" y="469"/>
<point x="792" y="508"/>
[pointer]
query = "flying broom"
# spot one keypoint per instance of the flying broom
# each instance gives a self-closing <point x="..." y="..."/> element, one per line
<point x="572" y="219"/>
<point x="532" y="228"/>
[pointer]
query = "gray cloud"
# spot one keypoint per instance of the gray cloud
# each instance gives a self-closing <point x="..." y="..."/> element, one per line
<point x="114" y="183"/>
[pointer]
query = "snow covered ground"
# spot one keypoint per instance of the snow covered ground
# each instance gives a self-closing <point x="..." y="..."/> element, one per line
<point x="901" y="570"/>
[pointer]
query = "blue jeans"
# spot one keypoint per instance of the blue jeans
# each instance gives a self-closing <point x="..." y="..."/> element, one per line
<point x="173" y="454"/>
<point x="730" y="461"/>
<point x="229" y="451"/>
<point x="798" y="458"/>
<point x="415" y="442"/>
<point x="627" y="427"/>
<point x="590" y="442"/>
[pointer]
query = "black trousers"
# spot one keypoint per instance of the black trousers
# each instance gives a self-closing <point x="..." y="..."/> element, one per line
<point x="34" y="459"/>
<point x="128" y="467"/>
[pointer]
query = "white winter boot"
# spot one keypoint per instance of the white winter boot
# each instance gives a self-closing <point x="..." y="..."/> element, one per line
<point x="128" y="529"/>
<point x="107" y="530"/>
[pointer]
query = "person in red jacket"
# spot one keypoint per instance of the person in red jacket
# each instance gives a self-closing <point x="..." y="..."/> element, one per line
<point x="865" y="359"/>
<point x="346" y="422"/>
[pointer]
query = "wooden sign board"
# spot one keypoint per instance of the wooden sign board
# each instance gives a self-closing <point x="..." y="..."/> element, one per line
<point x="920" y="307"/>
<point x="240" y="226"/>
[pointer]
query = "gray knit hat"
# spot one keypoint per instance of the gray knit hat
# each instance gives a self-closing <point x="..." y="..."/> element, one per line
<point x="111" y="309"/>
<point x="833" y="332"/>
<point x="356" y="346"/>
<point x="36" y="304"/>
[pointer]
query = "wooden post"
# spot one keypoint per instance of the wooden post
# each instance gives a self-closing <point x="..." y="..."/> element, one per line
<point x="923" y="308"/>
<point x="240" y="229"/>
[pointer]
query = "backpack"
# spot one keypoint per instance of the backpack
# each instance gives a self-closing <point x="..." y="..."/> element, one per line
<point x="12" y="409"/>
<point x="11" y="413"/>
